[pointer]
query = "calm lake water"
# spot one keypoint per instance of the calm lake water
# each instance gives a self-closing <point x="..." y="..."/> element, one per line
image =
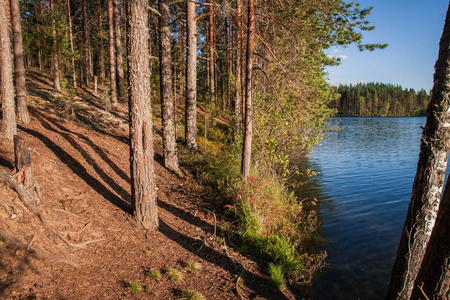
<point x="366" y="171"/>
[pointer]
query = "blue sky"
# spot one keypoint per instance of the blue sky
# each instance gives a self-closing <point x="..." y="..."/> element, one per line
<point x="411" y="28"/>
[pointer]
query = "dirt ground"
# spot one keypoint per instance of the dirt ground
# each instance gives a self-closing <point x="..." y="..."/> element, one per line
<point x="80" y="159"/>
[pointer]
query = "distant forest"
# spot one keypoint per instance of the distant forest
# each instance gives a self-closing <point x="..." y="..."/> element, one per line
<point x="378" y="99"/>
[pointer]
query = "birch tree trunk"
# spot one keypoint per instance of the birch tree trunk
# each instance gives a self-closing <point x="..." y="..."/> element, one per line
<point x="429" y="179"/>
<point x="248" y="130"/>
<point x="191" y="77"/>
<point x="143" y="187"/>
<point x="167" y="104"/>
<point x="7" y="87"/>
<point x="19" y="66"/>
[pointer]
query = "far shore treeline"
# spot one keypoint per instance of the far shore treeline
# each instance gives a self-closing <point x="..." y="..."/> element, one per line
<point x="379" y="100"/>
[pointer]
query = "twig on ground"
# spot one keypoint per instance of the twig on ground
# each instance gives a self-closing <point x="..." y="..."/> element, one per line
<point x="237" y="285"/>
<point x="421" y="289"/>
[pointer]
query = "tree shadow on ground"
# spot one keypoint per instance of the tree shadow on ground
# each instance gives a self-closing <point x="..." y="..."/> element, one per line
<point x="78" y="169"/>
<point x="256" y="283"/>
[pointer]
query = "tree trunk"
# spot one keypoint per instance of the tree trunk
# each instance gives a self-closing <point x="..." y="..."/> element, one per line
<point x="74" y="73"/>
<point x="211" y="61"/>
<point x="191" y="77"/>
<point x="112" y="55"/>
<point x="100" y="47"/>
<point x="119" y="52"/>
<point x="238" y="63"/>
<point x="434" y="274"/>
<point x="86" y="42"/>
<point x="248" y="132"/>
<point x="7" y="86"/>
<point x="56" y="70"/>
<point x="143" y="187"/>
<point x="21" y="88"/>
<point x="167" y="105"/>
<point x="429" y="178"/>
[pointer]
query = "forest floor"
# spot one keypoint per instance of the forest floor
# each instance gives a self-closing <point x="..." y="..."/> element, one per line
<point x="80" y="159"/>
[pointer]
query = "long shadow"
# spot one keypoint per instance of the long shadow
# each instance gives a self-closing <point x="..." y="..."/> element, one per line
<point x="256" y="283"/>
<point x="6" y="163"/>
<point x="91" y="144"/>
<point x="80" y="171"/>
<point x="108" y="180"/>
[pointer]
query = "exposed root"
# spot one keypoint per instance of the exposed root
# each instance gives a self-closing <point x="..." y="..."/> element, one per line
<point x="32" y="250"/>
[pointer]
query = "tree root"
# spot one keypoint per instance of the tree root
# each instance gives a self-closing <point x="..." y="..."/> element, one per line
<point x="32" y="250"/>
<point x="27" y="197"/>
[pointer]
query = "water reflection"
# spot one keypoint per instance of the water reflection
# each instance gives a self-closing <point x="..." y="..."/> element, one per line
<point x="366" y="171"/>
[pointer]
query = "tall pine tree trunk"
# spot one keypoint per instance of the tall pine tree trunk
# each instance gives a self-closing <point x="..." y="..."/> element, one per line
<point x="248" y="130"/>
<point x="119" y="52"/>
<point x="211" y="60"/>
<point x="86" y="42"/>
<point x="74" y="73"/>
<point x="238" y="81"/>
<point x="100" y="47"/>
<point x="429" y="178"/>
<point x="167" y="104"/>
<point x="56" y="70"/>
<point x="191" y="77"/>
<point x="7" y="87"/>
<point x="143" y="187"/>
<point x="21" y="87"/>
<point x="112" y="55"/>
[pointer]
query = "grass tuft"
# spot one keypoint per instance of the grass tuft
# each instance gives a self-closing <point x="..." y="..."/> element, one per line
<point x="192" y="295"/>
<point x="276" y="275"/>
<point x="174" y="274"/>
<point x="193" y="266"/>
<point x="153" y="274"/>
<point x="134" y="287"/>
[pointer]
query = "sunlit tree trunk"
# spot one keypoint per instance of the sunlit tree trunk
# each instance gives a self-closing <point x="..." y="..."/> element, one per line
<point x="167" y="104"/>
<point x="433" y="279"/>
<point x="9" y="126"/>
<point x="86" y="42"/>
<point x="238" y="81"/>
<point x="21" y="87"/>
<point x="112" y="55"/>
<point x="191" y="77"/>
<point x="119" y="52"/>
<point x="56" y="70"/>
<point x="429" y="179"/>
<point x="69" y="18"/>
<point x="143" y="187"/>
<point x="248" y="132"/>
<point x="211" y="61"/>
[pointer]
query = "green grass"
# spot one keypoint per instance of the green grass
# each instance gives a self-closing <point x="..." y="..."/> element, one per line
<point x="134" y="287"/>
<point x="174" y="274"/>
<point x="192" y="295"/>
<point x="276" y="275"/>
<point x="153" y="274"/>
<point x="193" y="266"/>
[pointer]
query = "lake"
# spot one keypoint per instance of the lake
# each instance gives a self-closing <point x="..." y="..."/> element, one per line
<point x="366" y="170"/>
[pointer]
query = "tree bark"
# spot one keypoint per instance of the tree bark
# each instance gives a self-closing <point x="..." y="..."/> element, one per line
<point x="56" y="70"/>
<point x="143" y="187"/>
<point x="7" y="87"/>
<point x="433" y="279"/>
<point x="112" y="55"/>
<point x="86" y="43"/>
<point x="19" y="66"/>
<point x="211" y="61"/>
<point x="167" y="104"/>
<point x="100" y="47"/>
<point x="429" y="179"/>
<point x="248" y="130"/>
<point x="191" y="77"/>
<point x="119" y="52"/>
<point x="238" y="63"/>
<point x="69" y="18"/>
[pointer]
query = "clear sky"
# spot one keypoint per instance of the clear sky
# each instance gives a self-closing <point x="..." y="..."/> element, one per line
<point x="412" y="28"/>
